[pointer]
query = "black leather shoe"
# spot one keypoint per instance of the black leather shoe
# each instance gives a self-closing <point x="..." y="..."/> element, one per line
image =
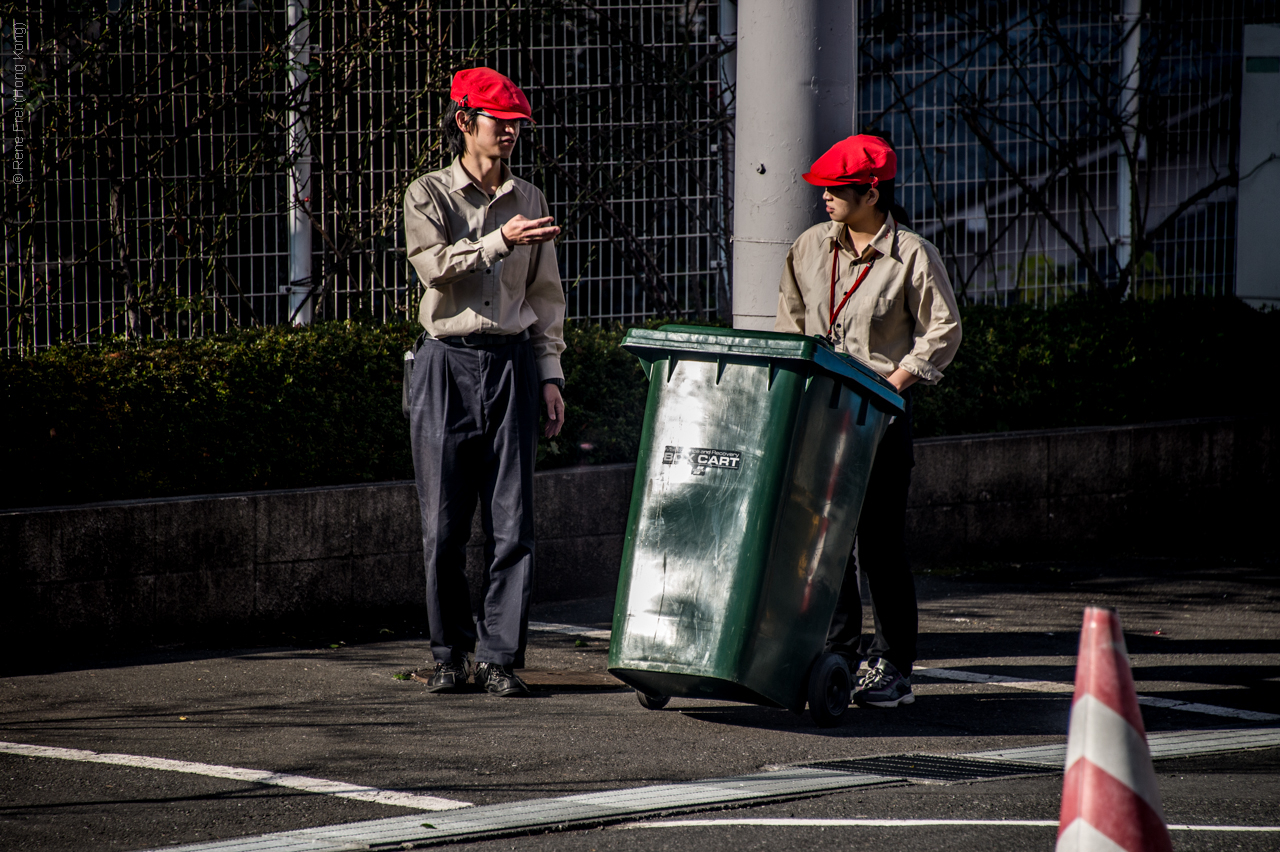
<point x="448" y="677"/>
<point x="499" y="680"/>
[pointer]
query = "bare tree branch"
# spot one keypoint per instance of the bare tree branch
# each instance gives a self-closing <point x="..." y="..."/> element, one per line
<point x="1033" y="195"/>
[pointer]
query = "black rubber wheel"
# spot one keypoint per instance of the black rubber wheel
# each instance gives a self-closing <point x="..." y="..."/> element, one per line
<point x="652" y="702"/>
<point x="830" y="686"/>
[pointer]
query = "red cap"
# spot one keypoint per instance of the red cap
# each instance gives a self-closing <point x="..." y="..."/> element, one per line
<point x="858" y="159"/>
<point x="490" y="91"/>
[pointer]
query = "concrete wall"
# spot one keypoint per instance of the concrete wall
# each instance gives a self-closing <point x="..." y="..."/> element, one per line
<point x="136" y="573"/>
<point x="147" y="572"/>
<point x="1158" y="488"/>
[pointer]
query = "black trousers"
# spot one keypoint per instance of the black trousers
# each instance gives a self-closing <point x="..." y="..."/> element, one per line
<point x="882" y="558"/>
<point x="473" y="421"/>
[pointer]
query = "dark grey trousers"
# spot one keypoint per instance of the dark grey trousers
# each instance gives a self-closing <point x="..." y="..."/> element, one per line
<point x="473" y="421"/>
<point x="882" y="558"/>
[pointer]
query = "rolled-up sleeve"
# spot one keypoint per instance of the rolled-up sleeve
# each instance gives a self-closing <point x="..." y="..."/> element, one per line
<point x="437" y="258"/>
<point x="932" y="302"/>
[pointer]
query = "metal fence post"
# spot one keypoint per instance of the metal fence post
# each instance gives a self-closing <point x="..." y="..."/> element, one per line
<point x="1126" y="181"/>
<point x="728" y="26"/>
<point x="300" y="289"/>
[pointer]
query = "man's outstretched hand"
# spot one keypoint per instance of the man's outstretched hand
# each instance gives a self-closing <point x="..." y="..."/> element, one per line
<point x="520" y="231"/>
<point x="555" y="409"/>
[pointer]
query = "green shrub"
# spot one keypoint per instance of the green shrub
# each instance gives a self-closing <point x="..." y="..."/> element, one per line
<point x="1089" y="362"/>
<point x="285" y="407"/>
<point x="276" y="407"/>
<point x="261" y="408"/>
<point x="605" y="392"/>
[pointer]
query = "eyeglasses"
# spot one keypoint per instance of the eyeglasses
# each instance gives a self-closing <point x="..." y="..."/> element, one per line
<point x="522" y="123"/>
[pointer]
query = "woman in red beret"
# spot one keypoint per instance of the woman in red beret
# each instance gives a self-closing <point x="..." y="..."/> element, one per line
<point x="880" y="293"/>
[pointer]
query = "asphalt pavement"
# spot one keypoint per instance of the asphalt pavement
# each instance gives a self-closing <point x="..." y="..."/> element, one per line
<point x="236" y="743"/>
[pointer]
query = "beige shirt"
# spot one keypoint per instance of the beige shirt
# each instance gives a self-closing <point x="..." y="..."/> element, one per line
<point x="904" y="314"/>
<point x="474" y="281"/>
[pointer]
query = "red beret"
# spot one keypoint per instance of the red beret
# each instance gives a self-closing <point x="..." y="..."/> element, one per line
<point x="490" y="91"/>
<point x="858" y="159"/>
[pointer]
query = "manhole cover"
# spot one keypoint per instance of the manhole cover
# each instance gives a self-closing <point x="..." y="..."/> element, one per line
<point x="929" y="767"/>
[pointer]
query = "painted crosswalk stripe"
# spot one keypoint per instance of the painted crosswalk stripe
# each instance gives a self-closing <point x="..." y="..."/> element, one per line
<point x="341" y="789"/>
<point x="1068" y="689"/>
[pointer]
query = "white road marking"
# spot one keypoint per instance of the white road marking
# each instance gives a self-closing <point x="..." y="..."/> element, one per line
<point x="615" y="805"/>
<point x="1003" y="680"/>
<point x="1206" y="709"/>
<point x="1067" y="689"/>
<point x="894" y="823"/>
<point x="975" y="677"/>
<point x="257" y="776"/>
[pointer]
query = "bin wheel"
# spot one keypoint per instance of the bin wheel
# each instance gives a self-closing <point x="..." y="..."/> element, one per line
<point x="829" y="689"/>
<point x="652" y="702"/>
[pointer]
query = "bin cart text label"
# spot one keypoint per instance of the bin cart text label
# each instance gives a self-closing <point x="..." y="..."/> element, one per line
<point x="701" y="458"/>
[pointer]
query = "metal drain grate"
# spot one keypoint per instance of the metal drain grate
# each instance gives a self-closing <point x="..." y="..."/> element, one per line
<point x="930" y="767"/>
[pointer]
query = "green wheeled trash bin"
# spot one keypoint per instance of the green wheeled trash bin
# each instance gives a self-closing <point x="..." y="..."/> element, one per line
<point x="753" y="463"/>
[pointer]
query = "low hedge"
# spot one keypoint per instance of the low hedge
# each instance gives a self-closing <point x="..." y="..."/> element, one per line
<point x="286" y="407"/>
<point x="276" y="407"/>
<point x="1095" y="362"/>
<point x="261" y="408"/>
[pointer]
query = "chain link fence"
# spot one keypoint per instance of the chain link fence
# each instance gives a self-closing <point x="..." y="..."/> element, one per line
<point x="1043" y="159"/>
<point x="158" y="203"/>
<point x="147" y="190"/>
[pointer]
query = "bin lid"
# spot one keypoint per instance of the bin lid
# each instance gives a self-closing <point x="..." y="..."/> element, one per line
<point x="709" y="342"/>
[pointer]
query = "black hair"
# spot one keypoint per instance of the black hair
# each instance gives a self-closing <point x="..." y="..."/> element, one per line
<point x="453" y="138"/>
<point x="886" y="202"/>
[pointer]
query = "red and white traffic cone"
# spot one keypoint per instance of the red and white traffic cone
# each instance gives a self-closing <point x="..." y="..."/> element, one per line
<point x="1110" y="801"/>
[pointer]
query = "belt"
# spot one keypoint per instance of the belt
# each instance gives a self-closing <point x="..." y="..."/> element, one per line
<point x="477" y="339"/>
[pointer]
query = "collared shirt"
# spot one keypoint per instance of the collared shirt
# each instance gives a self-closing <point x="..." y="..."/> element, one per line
<point x="904" y="314"/>
<point x="474" y="281"/>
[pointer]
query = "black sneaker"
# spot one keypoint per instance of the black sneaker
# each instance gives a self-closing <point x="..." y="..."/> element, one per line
<point x="882" y="685"/>
<point x="499" y="680"/>
<point x="448" y="677"/>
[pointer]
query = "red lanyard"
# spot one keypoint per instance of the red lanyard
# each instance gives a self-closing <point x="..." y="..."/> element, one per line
<point x="835" y="265"/>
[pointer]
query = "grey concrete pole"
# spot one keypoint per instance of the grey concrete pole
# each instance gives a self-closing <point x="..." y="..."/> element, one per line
<point x="797" y="79"/>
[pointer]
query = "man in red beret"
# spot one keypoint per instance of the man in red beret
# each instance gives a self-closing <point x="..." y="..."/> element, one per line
<point x="880" y="293"/>
<point x="479" y="239"/>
